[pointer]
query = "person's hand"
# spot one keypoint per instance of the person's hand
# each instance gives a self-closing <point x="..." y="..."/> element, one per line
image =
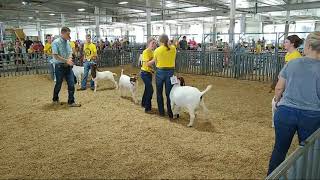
<point x="70" y="62"/>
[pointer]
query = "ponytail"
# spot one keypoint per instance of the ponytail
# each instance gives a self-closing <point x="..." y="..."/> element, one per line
<point x="165" y="40"/>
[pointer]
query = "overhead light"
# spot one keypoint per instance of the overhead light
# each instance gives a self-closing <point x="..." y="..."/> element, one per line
<point x="24" y="2"/>
<point x="81" y="9"/>
<point x="123" y="2"/>
<point x="52" y="14"/>
<point x="30" y="17"/>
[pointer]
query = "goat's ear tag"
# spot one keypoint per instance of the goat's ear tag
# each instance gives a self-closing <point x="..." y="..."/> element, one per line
<point x="174" y="80"/>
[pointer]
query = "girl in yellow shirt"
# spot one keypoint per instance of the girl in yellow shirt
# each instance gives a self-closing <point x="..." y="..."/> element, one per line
<point x="164" y="58"/>
<point x="291" y="44"/>
<point x="146" y="75"/>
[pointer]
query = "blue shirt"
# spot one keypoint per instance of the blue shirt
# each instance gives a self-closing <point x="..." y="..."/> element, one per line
<point x="62" y="48"/>
<point x="302" y="89"/>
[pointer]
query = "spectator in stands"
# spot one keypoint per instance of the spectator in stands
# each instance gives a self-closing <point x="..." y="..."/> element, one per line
<point x="48" y="52"/>
<point x="253" y="45"/>
<point x="291" y="43"/>
<point x="73" y="47"/>
<point x="220" y="45"/>
<point x="146" y="75"/>
<point x="183" y="44"/>
<point x="62" y="54"/>
<point x="263" y="43"/>
<point x="164" y="58"/>
<point x="18" y="55"/>
<point x="192" y="44"/>
<point x="111" y="44"/>
<point x="106" y="43"/>
<point x="90" y="55"/>
<point x="297" y="95"/>
<point x="258" y="47"/>
<point x="28" y="43"/>
<point x="36" y="47"/>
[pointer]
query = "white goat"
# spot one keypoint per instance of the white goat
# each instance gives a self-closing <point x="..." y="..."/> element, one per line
<point x="105" y="75"/>
<point x="78" y="72"/>
<point x="187" y="97"/>
<point x="129" y="83"/>
<point x="274" y="108"/>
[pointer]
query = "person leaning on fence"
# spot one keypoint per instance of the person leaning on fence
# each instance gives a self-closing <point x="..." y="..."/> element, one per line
<point x="146" y="75"/>
<point x="291" y="43"/>
<point x="62" y="55"/>
<point x="90" y="54"/>
<point x="164" y="58"/>
<point x="48" y="52"/>
<point x="297" y="95"/>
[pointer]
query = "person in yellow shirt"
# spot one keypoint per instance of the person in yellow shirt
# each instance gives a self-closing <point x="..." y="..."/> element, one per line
<point x="90" y="55"/>
<point x="291" y="43"/>
<point x="48" y="52"/>
<point x="164" y="58"/>
<point x="146" y="75"/>
<point x="258" y="48"/>
<point x="73" y="47"/>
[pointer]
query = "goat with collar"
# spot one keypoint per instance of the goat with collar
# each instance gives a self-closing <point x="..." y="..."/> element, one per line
<point x="188" y="97"/>
<point x="105" y="75"/>
<point x="129" y="83"/>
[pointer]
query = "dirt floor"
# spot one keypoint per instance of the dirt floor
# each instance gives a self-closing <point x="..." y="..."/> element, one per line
<point x="111" y="137"/>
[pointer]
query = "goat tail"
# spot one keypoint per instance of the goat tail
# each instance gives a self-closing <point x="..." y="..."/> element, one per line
<point x="206" y="90"/>
<point x="115" y="74"/>
<point x="121" y="72"/>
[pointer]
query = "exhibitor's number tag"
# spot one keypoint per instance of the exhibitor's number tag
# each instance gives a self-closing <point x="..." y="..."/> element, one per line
<point x="174" y="80"/>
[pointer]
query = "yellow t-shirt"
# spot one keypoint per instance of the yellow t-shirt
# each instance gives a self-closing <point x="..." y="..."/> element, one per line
<point x="147" y="56"/>
<point x="47" y="49"/>
<point x="291" y="56"/>
<point x="258" y="49"/>
<point x="72" y="44"/>
<point x="165" y="58"/>
<point x="90" y="51"/>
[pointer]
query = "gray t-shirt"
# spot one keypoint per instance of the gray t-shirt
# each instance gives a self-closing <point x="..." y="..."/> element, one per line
<point x="302" y="89"/>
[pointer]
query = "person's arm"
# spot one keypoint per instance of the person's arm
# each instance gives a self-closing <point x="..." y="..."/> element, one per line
<point x="279" y="89"/>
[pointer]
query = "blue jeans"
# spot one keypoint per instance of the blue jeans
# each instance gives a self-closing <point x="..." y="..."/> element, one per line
<point x="163" y="77"/>
<point x="87" y="67"/>
<point x="148" y="90"/>
<point x="64" y="71"/>
<point x="287" y="121"/>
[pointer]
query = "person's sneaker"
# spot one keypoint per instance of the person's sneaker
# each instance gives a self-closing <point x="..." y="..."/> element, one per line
<point x="92" y="89"/>
<point x="55" y="103"/>
<point x="81" y="89"/>
<point x="74" y="105"/>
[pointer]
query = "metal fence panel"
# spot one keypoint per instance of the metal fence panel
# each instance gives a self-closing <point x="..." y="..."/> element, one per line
<point x="303" y="163"/>
<point x="245" y="66"/>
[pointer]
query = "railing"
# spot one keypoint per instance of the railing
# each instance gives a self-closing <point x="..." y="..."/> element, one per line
<point x="14" y="64"/>
<point x="247" y="66"/>
<point x="303" y="163"/>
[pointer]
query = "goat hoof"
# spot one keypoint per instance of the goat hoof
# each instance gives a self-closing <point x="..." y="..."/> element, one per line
<point x="178" y="115"/>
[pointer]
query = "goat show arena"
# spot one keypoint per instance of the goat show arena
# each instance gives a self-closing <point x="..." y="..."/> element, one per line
<point x="112" y="137"/>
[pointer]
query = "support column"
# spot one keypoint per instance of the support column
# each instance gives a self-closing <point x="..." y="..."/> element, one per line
<point x="148" y="19"/>
<point x="286" y="29"/>
<point x="232" y="22"/>
<point x="214" y="30"/>
<point x="77" y="33"/>
<point x="97" y="18"/>
<point x="317" y="26"/>
<point x="62" y="21"/>
<point x="39" y="29"/>
<point x="243" y="23"/>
